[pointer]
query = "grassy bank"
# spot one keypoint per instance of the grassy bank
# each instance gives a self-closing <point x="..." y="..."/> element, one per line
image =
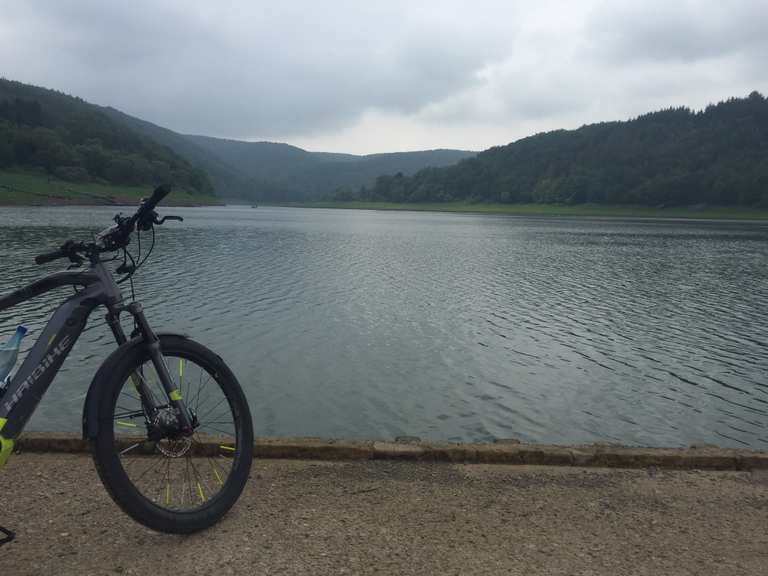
<point x="32" y="189"/>
<point x="551" y="209"/>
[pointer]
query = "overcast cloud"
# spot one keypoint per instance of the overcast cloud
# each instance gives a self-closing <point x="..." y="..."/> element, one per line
<point x="384" y="76"/>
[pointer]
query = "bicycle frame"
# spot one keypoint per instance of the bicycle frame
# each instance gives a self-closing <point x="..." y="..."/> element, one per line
<point x="34" y="376"/>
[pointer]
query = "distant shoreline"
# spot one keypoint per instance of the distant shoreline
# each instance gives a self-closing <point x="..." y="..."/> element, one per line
<point x="582" y="210"/>
<point x="33" y="189"/>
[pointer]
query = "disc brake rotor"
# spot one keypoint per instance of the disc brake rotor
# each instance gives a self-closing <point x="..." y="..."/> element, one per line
<point x="173" y="447"/>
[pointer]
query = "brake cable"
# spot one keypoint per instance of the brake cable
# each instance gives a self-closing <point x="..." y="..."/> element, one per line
<point x="149" y="252"/>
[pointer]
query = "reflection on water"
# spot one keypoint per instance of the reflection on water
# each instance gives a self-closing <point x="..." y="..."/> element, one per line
<point x="452" y="327"/>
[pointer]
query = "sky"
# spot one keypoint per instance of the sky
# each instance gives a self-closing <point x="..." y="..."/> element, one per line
<point x="364" y="77"/>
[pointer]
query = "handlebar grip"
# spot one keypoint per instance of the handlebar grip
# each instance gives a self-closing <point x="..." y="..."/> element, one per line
<point x="50" y="257"/>
<point x="157" y="196"/>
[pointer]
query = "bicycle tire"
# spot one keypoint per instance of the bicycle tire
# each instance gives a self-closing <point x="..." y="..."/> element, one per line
<point x="108" y="460"/>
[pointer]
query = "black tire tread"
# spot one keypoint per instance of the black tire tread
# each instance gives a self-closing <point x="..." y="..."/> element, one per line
<point x="110" y="470"/>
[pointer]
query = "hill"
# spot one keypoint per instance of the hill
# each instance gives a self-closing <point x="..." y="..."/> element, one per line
<point x="71" y="140"/>
<point x="273" y="171"/>
<point x="227" y="181"/>
<point x="287" y="173"/>
<point x="674" y="157"/>
<point x="39" y="189"/>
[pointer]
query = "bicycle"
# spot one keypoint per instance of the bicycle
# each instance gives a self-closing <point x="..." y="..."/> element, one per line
<point x="167" y="421"/>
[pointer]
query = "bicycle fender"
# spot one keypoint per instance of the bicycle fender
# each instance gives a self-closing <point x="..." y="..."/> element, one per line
<point x="93" y="398"/>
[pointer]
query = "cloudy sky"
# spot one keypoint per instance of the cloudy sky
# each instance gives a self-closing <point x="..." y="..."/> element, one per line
<point x="392" y="75"/>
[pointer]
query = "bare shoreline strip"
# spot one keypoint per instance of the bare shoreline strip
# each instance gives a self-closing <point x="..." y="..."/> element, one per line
<point x="500" y="452"/>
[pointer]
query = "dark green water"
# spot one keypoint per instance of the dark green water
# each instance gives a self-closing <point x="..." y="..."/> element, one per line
<point x="446" y="326"/>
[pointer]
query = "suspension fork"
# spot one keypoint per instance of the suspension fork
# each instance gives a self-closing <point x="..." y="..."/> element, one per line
<point x="145" y="394"/>
<point x="152" y="343"/>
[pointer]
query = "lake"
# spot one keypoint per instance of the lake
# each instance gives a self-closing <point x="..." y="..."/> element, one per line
<point x="363" y="324"/>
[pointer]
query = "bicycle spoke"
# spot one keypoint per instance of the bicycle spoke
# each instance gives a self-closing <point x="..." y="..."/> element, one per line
<point x="165" y="486"/>
<point x="128" y="414"/>
<point x="131" y="396"/>
<point x="198" y="484"/>
<point x="130" y="448"/>
<point x="216" y="429"/>
<point x="212" y="409"/>
<point x="155" y="463"/>
<point x="199" y="475"/>
<point x="199" y="390"/>
<point x="221" y="423"/>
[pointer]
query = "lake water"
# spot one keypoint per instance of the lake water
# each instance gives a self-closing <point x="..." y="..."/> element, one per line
<point x="366" y="324"/>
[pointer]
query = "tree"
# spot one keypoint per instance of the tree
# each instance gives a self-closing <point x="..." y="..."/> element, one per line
<point x="670" y="157"/>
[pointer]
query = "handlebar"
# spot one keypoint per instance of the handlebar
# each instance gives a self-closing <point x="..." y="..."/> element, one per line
<point x="49" y="257"/>
<point x="148" y="205"/>
<point x="69" y="250"/>
<point x="119" y="235"/>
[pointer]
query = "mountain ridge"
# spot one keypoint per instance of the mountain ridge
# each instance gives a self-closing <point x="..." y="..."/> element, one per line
<point x="671" y="157"/>
<point x="285" y="172"/>
<point x="674" y="156"/>
<point x="66" y="137"/>
<point x="278" y="171"/>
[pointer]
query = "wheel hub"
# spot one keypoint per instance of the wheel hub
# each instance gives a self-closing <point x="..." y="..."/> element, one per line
<point x="168" y="438"/>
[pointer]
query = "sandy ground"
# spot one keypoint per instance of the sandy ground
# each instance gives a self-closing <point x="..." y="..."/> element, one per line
<point x="302" y="517"/>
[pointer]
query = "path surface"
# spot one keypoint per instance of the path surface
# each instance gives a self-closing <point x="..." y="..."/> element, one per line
<point x="301" y="517"/>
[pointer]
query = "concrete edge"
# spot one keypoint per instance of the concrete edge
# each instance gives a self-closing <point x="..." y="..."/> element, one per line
<point x="500" y="452"/>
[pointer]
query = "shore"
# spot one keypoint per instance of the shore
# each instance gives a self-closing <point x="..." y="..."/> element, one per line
<point x="385" y="517"/>
<point x="28" y="189"/>
<point x="25" y="189"/>
<point x="502" y="451"/>
<point x="580" y="210"/>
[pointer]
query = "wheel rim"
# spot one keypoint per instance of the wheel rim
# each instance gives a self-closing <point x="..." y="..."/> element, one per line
<point x="182" y="473"/>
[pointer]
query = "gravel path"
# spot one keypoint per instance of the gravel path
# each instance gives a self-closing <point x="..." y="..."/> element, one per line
<point x="301" y="517"/>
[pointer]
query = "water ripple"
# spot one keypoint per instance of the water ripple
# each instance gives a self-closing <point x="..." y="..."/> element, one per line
<point x="454" y="327"/>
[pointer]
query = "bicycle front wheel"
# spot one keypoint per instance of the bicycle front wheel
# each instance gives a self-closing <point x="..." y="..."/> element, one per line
<point x="177" y="484"/>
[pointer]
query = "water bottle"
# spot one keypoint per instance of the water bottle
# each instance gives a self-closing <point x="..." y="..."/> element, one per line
<point x="9" y="352"/>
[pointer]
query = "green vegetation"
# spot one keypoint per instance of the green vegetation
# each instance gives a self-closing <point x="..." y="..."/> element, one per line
<point x="77" y="142"/>
<point x="271" y="171"/>
<point x="675" y="157"/>
<point x="280" y="172"/>
<point x="584" y="210"/>
<point x="227" y="181"/>
<point x="57" y="148"/>
<point x="18" y="188"/>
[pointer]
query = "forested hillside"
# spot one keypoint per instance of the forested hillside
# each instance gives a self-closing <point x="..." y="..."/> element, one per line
<point x="716" y="156"/>
<point x="281" y="172"/>
<point x="273" y="171"/>
<point x="71" y="140"/>
<point x="674" y="157"/>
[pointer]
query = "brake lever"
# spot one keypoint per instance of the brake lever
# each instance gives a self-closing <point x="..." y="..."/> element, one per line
<point x="164" y="218"/>
<point x="69" y="249"/>
<point x="126" y="269"/>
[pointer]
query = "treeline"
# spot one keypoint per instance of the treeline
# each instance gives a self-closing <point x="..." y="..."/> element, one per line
<point x="277" y="172"/>
<point x="280" y="172"/>
<point x="717" y="156"/>
<point x="70" y="139"/>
